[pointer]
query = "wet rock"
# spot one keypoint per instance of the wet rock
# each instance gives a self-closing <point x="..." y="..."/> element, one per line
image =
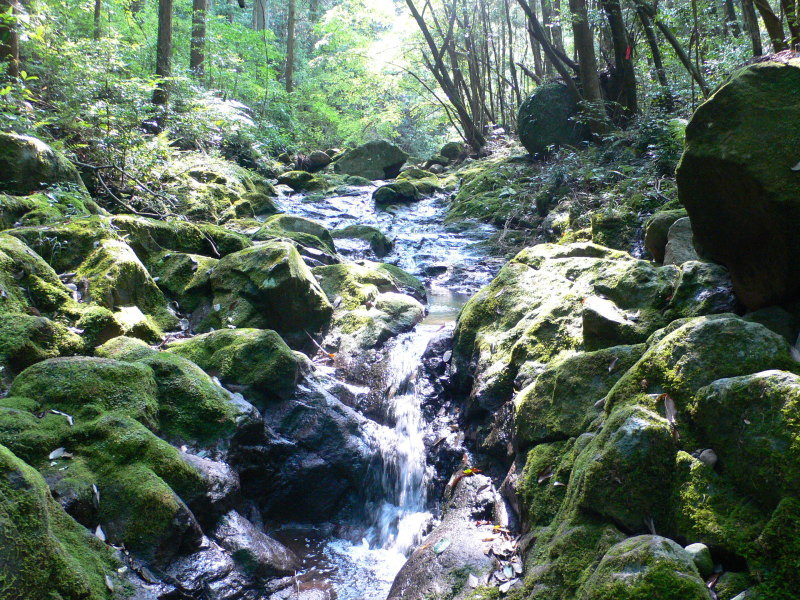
<point x="301" y="181"/>
<point x="313" y="456"/>
<point x="28" y="164"/>
<point x="680" y="244"/>
<point x="647" y="564"/>
<point x="738" y="179"/>
<point x="546" y="119"/>
<point x="253" y="550"/>
<point x="184" y="277"/>
<point x="455" y="548"/>
<point x="394" y="193"/>
<point x="305" y="233"/>
<point x="378" y="159"/>
<point x="221" y="489"/>
<point x="701" y="556"/>
<point x="318" y="160"/>
<point x="379" y="244"/>
<point x="656" y="232"/>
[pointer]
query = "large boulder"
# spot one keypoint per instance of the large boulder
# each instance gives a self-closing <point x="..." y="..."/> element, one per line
<point x="738" y="179"/>
<point x="548" y="118"/>
<point x="656" y="233"/>
<point x="269" y="286"/>
<point x="377" y="159"/>
<point x="28" y="164"/>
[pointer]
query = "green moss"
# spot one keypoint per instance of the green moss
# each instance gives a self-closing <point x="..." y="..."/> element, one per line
<point x="98" y="325"/>
<point x="45" y="554"/>
<point x="256" y="358"/>
<point x="378" y="242"/>
<point x="561" y="403"/>
<point x="117" y="278"/>
<point x="84" y="386"/>
<point x="190" y="405"/>
<point x="645" y="568"/>
<point x="28" y="281"/>
<point x="657" y="230"/>
<point x="615" y="229"/>
<point x="66" y="245"/>
<point x="28" y="165"/>
<point x="42" y="208"/>
<point x="252" y="286"/>
<point x="778" y="561"/>
<point x="302" y="181"/>
<point x="185" y="277"/>
<point x="547" y="119"/>
<point x="356" y="284"/>
<point x="392" y="193"/>
<point x="305" y="232"/>
<point x="552" y="465"/>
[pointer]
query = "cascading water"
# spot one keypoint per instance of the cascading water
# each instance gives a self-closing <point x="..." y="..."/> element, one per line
<point x="453" y="265"/>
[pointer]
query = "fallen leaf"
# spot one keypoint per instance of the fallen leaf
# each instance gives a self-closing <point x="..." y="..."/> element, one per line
<point x="613" y="364"/>
<point x="57" y="453"/>
<point x="545" y="475"/>
<point x="100" y="534"/>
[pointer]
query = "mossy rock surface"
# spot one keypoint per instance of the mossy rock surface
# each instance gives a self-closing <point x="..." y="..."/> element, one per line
<point x="646" y="567"/>
<point x="355" y="284"/>
<point x="548" y="119"/>
<point x="377" y="159"/>
<point x="117" y="278"/>
<point x="738" y="180"/>
<point x="184" y="277"/>
<point x="258" y="359"/>
<point x="302" y="181"/>
<point x="395" y="193"/>
<point x="453" y="150"/>
<point x="28" y="164"/>
<point x="45" y="554"/>
<point x="65" y="245"/>
<point x="29" y="284"/>
<point x="88" y="386"/>
<point x="305" y="232"/>
<point x="563" y="400"/>
<point x="657" y="231"/>
<point x="191" y="407"/>
<point x="44" y="208"/>
<point x="617" y="229"/>
<point x="378" y="242"/>
<point x="269" y="286"/>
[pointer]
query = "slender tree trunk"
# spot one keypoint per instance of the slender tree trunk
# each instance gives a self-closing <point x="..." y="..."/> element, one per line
<point x="136" y="6"/>
<point x="9" y="39"/>
<point x="546" y="18"/>
<point x="773" y="25"/>
<point x="792" y="12"/>
<point x="511" y="63"/>
<point x="230" y="11"/>
<point x="587" y="62"/>
<point x="163" y="52"/>
<point x="197" y="54"/>
<point x="259" y="15"/>
<point x="732" y="20"/>
<point x="290" y="42"/>
<point x="98" y="14"/>
<point x="623" y="57"/>
<point x="655" y="50"/>
<point x="557" y="32"/>
<point x="751" y="24"/>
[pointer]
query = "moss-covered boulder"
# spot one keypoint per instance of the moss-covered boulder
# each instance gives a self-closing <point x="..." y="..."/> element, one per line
<point x="28" y="165"/>
<point x="753" y="424"/>
<point x="697" y="353"/>
<point x="312" y="239"/>
<point x="356" y="284"/>
<point x="680" y="243"/>
<point x="65" y="245"/>
<point x="45" y="554"/>
<point x="45" y="207"/>
<point x="378" y="243"/>
<point x="184" y="277"/>
<point x="454" y="150"/>
<point x="257" y="359"/>
<point x="269" y="286"/>
<point x="551" y="299"/>
<point x="616" y="229"/>
<point x="302" y="181"/>
<point x="548" y="119"/>
<point x="117" y="279"/>
<point x="207" y="187"/>
<point x="393" y="193"/>
<point x="84" y="386"/>
<point x="626" y="472"/>
<point x="28" y="283"/>
<point x="26" y="339"/>
<point x="191" y="407"/>
<point x="377" y="159"/>
<point x="151" y="237"/>
<point x="646" y="566"/>
<point x="563" y="401"/>
<point x="738" y="179"/>
<point x="656" y="232"/>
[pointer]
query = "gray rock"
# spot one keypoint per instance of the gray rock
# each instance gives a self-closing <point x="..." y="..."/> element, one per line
<point x="378" y="159"/>
<point x="680" y="244"/>
<point x="254" y="551"/>
<point x="701" y="556"/>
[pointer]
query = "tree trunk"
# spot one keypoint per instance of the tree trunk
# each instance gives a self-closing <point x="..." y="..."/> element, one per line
<point x="9" y="39"/>
<point x="547" y="15"/>
<point x="259" y="15"/>
<point x="773" y="25"/>
<point x="197" y="54"/>
<point x="163" y="52"/>
<point x="136" y="6"/>
<point x="792" y="12"/>
<point x="655" y="50"/>
<point x="587" y="63"/>
<point x="623" y="57"/>
<point x="557" y="32"/>
<point x="290" y="41"/>
<point x="751" y="24"/>
<point x="730" y="17"/>
<point x="98" y="13"/>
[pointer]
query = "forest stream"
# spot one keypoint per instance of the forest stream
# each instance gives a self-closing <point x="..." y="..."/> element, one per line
<point x="361" y="560"/>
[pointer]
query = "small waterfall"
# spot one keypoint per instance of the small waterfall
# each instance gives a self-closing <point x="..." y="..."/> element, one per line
<point x="402" y="517"/>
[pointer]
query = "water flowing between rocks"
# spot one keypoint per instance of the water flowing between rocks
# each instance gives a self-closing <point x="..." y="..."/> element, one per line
<point x="359" y="559"/>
